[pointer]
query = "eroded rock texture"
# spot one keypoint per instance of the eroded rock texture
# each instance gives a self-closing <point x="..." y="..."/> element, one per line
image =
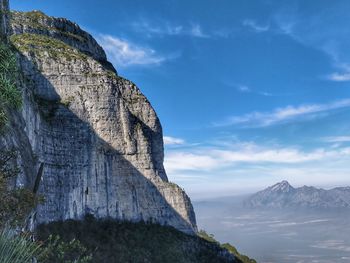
<point x="96" y="134"/>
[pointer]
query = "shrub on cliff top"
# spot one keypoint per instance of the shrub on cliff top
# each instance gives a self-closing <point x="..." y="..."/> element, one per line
<point x="227" y="246"/>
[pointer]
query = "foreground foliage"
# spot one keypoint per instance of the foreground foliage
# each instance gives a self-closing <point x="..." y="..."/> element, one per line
<point x="10" y="96"/>
<point x="114" y="242"/>
<point x="17" y="248"/>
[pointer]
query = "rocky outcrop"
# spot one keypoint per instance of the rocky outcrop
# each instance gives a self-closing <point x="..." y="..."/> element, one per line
<point x="4" y="17"/>
<point x="96" y="135"/>
<point x="283" y="195"/>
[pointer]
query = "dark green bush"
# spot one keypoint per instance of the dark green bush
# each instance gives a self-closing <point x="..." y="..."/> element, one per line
<point x="112" y="242"/>
<point x="57" y="251"/>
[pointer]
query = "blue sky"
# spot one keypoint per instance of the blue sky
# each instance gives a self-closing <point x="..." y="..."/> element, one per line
<point x="248" y="92"/>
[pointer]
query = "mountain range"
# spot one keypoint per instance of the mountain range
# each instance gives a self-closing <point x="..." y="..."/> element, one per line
<point x="283" y="195"/>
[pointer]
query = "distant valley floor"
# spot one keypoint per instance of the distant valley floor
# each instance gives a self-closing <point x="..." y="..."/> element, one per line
<point x="274" y="236"/>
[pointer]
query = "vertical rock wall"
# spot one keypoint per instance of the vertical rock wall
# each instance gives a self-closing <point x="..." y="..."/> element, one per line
<point x="98" y="137"/>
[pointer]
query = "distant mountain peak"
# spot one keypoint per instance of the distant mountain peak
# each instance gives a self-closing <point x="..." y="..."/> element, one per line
<point x="283" y="186"/>
<point x="283" y="195"/>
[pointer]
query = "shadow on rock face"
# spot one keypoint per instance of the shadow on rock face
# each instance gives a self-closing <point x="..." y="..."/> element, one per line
<point x="99" y="140"/>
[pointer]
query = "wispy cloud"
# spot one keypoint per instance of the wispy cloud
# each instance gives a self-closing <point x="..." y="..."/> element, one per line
<point x="336" y="139"/>
<point x="340" y="77"/>
<point x="246" y="167"/>
<point x="243" y="88"/>
<point x="206" y="159"/>
<point x="125" y="53"/>
<point x="161" y="29"/>
<point x="339" y="245"/>
<point x="246" y="89"/>
<point x="252" y="24"/>
<point x="287" y="24"/>
<point x="173" y="141"/>
<point x="286" y="114"/>
<point x="305" y="30"/>
<point x="166" y="28"/>
<point x="196" y="31"/>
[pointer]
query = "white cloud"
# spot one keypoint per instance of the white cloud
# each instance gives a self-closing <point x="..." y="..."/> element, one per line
<point x="173" y="141"/>
<point x="246" y="89"/>
<point x="306" y="33"/>
<point x="124" y="53"/>
<point x="289" y="113"/>
<point x="208" y="159"/>
<point x="243" y="88"/>
<point x="287" y="24"/>
<point x="339" y="245"/>
<point x="336" y="139"/>
<point x="186" y="161"/>
<point x="256" y="27"/>
<point x="340" y="77"/>
<point x="244" y="168"/>
<point x="197" y="31"/>
<point x="165" y="28"/>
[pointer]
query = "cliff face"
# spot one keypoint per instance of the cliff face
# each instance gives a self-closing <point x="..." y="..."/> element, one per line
<point x="95" y="135"/>
<point x="4" y="12"/>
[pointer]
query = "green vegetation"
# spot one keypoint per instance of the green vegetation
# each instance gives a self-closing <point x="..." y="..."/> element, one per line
<point x="43" y="45"/>
<point x="67" y="102"/>
<point x="114" y="242"/>
<point x="39" y="21"/>
<point x="227" y="246"/>
<point x="16" y="248"/>
<point x="20" y="248"/>
<point x="10" y="96"/>
<point x="16" y="204"/>
<point x="233" y="250"/>
<point x="32" y="18"/>
<point x="58" y="251"/>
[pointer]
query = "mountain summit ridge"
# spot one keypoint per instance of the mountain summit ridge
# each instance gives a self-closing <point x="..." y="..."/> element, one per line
<point x="283" y="195"/>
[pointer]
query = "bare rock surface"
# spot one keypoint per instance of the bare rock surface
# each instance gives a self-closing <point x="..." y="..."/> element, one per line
<point x="96" y="134"/>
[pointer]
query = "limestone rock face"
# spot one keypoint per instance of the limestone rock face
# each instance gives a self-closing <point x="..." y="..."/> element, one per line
<point x="96" y="134"/>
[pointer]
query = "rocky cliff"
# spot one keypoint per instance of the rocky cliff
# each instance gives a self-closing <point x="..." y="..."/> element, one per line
<point x="92" y="135"/>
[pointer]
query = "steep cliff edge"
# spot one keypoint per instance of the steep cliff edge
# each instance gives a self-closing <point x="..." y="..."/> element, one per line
<point x="97" y="137"/>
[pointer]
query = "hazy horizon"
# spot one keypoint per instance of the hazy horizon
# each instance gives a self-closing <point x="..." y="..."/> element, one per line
<point x="251" y="191"/>
<point x="278" y="235"/>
